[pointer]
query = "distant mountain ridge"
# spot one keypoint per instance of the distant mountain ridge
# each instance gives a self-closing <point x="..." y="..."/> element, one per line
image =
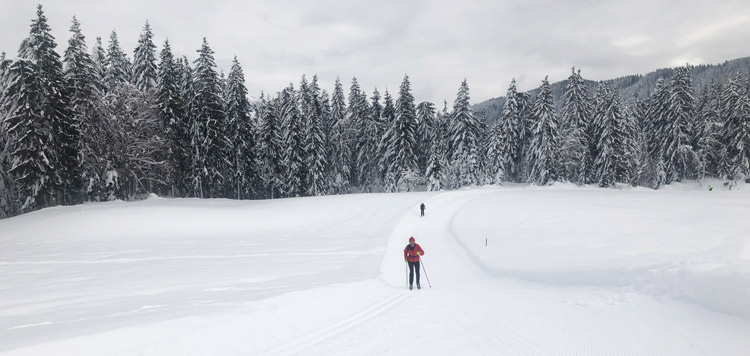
<point x="629" y="86"/>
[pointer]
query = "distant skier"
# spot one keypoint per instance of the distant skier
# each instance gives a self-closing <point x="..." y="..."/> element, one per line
<point x="421" y="208"/>
<point x="412" y="251"/>
<point x="710" y="188"/>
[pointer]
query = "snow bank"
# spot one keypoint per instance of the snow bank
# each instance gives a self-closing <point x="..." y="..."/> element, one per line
<point x="683" y="242"/>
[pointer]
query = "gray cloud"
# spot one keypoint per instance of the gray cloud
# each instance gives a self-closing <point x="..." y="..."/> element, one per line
<point x="438" y="43"/>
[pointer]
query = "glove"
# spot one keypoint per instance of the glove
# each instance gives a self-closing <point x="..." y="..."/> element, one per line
<point x="419" y="253"/>
<point x="405" y="260"/>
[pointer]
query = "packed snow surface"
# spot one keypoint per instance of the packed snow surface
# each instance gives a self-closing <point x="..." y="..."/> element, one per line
<point x="515" y="270"/>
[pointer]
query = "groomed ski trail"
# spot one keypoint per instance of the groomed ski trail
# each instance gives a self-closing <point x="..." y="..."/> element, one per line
<point x="477" y="313"/>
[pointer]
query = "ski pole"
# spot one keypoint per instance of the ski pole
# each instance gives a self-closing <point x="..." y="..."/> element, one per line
<point x="425" y="272"/>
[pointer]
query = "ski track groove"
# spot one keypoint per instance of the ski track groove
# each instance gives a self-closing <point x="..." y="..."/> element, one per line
<point x="300" y="345"/>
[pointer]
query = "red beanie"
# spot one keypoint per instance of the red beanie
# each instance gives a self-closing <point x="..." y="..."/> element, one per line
<point x="411" y="239"/>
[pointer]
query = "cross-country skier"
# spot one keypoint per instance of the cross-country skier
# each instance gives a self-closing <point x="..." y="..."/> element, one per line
<point x="412" y="251"/>
<point x="421" y="208"/>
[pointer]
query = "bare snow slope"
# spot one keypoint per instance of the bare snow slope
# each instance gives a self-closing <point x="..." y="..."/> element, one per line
<point x="565" y="271"/>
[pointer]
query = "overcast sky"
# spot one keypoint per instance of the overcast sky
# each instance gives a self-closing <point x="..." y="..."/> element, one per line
<point x="437" y="43"/>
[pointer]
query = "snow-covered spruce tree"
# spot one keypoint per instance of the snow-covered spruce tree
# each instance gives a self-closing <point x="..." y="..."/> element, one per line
<point x="341" y="155"/>
<point x="387" y="119"/>
<point x="436" y="171"/>
<point x="613" y="139"/>
<point x="737" y="130"/>
<point x="144" y="61"/>
<point x="7" y="200"/>
<point x="484" y="136"/>
<point x="170" y="106"/>
<point x="528" y="121"/>
<point x="543" y="149"/>
<point x="656" y="124"/>
<point x="29" y="138"/>
<point x="293" y="136"/>
<point x="636" y="116"/>
<point x="190" y="178"/>
<point x="305" y="104"/>
<point x="358" y="113"/>
<point x="325" y="113"/>
<point x="54" y="109"/>
<point x="270" y="148"/>
<point x="118" y="68"/>
<point x="576" y="116"/>
<point x="506" y="141"/>
<point x="709" y="131"/>
<point x="679" y="155"/>
<point x="464" y="134"/>
<point x="605" y="137"/>
<point x="83" y="85"/>
<point x="317" y="162"/>
<point x="376" y="109"/>
<point x="425" y="133"/>
<point x="135" y="142"/>
<point x="99" y="57"/>
<point x="401" y="141"/>
<point x="240" y="133"/>
<point x="210" y="124"/>
<point x="368" y="153"/>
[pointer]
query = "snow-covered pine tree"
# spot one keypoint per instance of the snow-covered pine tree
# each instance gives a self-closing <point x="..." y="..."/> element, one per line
<point x="464" y="136"/>
<point x="358" y="113"/>
<point x="270" y="147"/>
<point x="387" y="119"/>
<point x="527" y="120"/>
<point x="506" y="142"/>
<point x="99" y="57"/>
<point x="170" y="108"/>
<point x="636" y="115"/>
<point x="317" y="162"/>
<point x="305" y="106"/>
<point x="7" y="206"/>
<point x="401" y="137"/>
<point x="210" y="137"/>
<point x="425" y="133"/>
<point x="435" y="174"/>
<point x="737" y="129"/>
<point x="340" y="145"/>
<point x="144" y="61"/>
<point x="680" y="159"/>
<point x="614" y="141"/>
<point x="543" y="148"/>
<point x="293" y="136"/>
<point x="134" y="167"/>
<point x="117" y="70"/>
<point x="29" y="138"/>
<point x="656" y="124"/>
<point x="54" y="109"/>
<point x="240" y="132"/>
<point x="83" y="85"/>
<point x="709" y="131"/>
<point x="191" y="177"/>
<point x="368" y="158"/>
<point x="576" y="116"/>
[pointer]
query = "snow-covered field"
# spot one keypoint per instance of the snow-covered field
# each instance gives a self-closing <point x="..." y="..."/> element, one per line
<point x="519" y="270"/>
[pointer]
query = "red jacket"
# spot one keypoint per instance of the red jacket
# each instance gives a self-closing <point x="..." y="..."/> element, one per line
<point x="411" y="253"/>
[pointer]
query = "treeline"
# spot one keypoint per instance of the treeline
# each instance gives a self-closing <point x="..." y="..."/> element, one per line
<point x="94" y="126"/>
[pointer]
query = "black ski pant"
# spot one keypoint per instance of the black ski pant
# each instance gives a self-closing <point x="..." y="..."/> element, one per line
<point x="422" y="212"/>
<point x="412" y="267"/>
